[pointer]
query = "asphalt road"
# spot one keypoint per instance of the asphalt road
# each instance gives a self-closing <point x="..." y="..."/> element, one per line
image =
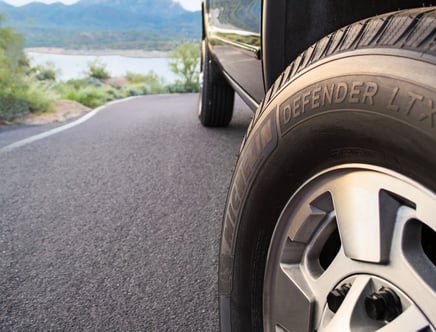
<point x="114" y="225"/>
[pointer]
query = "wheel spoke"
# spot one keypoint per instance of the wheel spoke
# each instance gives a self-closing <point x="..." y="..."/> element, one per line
<point x="330" y="278"/>
<point x="357" y="200"/>
<point x="309" y="217"/>
<point x="410" y="320"/>
<point x="417" y="271"/>
<point x="291" y="302"/>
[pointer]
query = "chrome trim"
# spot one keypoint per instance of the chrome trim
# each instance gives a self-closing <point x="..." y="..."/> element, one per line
<point x="256" y="51"/>
<point x="251" y="103"/>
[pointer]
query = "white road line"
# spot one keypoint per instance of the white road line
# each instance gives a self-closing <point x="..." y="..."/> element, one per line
<point x="57" y="130"/>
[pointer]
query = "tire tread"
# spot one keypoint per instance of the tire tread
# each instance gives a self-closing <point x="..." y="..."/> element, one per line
<point x="409" y="29"/>
<point x="217" y="96"/>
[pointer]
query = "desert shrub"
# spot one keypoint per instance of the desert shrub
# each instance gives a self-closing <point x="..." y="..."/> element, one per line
<point x="114" y="93"/>
<point x="39" y="96"/>
<point x="30" y="96"/>
<point x="94" y="81"/>
<point x="132" y="91"/>
<point x="136" y="78"/>
<point x="11" y="108"/>
<point x="178" y="87"/>
<point x="97" y="69"/>
<point x="89" y="96"/>
<point x="74" y="83"/>
<point x="86" y="93"/>
<point x="68" y="90"/>
<point x="46" y="72"/>
<point x="150" y="83"/>
<point x="92" y="97"/>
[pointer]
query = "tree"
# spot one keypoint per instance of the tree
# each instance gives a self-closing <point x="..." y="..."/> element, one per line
<point x="19" y="93"/>
<point x="184" y="62"/>
<point x="13" y="61"/>
<point x="12" y="74"/>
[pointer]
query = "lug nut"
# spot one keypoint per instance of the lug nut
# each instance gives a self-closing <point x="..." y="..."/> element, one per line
<point x="337" y="296"/>
<point x="383" y="305"/>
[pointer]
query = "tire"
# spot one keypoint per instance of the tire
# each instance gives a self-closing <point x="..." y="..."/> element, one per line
<point x="331" y="197"/>
<point x="216" y="99"/>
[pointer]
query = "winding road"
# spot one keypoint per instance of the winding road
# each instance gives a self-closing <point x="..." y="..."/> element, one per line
<point x="114" y="224"/>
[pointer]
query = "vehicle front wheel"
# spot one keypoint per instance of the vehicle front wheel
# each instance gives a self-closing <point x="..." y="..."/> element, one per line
<point x="330" y="222"/>
<point x="216" y="99"/>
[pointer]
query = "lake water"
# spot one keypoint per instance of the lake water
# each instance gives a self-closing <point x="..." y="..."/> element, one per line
<point x="74" y="66"/>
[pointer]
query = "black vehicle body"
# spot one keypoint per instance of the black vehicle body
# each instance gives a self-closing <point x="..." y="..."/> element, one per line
<point x="253" y="40"/>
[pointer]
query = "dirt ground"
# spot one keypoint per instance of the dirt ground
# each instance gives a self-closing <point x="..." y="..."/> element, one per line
<point x="65" y="110"/>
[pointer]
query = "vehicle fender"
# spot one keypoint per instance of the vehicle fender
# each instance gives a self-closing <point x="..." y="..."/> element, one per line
<point x="289" y="27"/>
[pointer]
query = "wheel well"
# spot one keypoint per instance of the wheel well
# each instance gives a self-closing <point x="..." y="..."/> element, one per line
<point x="290" y="27"/>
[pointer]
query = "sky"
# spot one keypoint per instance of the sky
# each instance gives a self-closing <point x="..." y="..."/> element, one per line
<point x="188" y="4"/>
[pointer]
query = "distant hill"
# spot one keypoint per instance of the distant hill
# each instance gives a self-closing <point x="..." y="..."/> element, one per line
<point x="148" y="24"/>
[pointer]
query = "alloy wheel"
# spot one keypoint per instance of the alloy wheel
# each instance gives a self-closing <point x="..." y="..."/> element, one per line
<point x="353" y="250"/>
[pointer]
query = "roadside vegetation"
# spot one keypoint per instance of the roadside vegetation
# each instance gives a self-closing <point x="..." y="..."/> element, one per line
<point x="19" y="92"/>
<point x="25" y="89"/>
<point x="185" y="64"/>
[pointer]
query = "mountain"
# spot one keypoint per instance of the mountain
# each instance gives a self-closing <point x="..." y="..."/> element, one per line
<point x="104" y="23"/>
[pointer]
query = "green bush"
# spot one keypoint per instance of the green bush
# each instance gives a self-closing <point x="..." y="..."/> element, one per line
<point x="29" y="97"/>
<point x="86" y="93"/>
<point x="89" y="96"/>
<point x="97" y="69"/>
<point x="11" y="108"/>
<point x="113" y="94"/>
<point x="132" y="92"/>
<point x="75" y="83"/>
<point x="150" y="83"/>
<point x="39" y="96"/>
<point x="46" y="72"/>
<point x="136" y="78"/>
<point x="177" y="87"/>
